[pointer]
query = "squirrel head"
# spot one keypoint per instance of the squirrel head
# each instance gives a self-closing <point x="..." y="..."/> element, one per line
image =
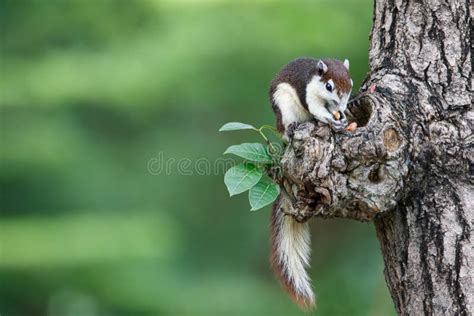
<point x="331" y="85"/>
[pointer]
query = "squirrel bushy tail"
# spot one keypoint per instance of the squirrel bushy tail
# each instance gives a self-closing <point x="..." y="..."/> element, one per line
<point x="290" y="253"/>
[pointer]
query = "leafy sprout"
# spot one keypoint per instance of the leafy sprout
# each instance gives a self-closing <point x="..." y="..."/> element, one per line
<point x="250" y="176"/>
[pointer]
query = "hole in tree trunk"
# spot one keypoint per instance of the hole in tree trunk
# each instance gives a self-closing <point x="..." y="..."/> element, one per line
<point x="359" y="111"/>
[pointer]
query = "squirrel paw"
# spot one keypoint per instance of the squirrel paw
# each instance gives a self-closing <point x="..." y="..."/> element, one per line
<point x="290" y="130"/>
<point x="338" y="125"/>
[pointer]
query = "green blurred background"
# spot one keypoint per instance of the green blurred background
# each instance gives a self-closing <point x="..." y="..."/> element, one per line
<point x="92" y="91"/>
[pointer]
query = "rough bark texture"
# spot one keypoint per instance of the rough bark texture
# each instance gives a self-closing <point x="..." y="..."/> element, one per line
<point x="409" y="167"/>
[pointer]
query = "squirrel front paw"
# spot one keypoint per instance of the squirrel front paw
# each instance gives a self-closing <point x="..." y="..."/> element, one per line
<point x="338" y="125"/>
<point x="338" y="122"/>
<point x="290" y="130"/>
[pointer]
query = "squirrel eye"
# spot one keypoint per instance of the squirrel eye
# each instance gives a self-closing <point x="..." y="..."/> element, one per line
<point x="328" y="87"/>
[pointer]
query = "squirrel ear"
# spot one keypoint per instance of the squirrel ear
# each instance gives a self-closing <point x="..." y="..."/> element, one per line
<point x="346" y="63"/>
<point x="322" y="67"/>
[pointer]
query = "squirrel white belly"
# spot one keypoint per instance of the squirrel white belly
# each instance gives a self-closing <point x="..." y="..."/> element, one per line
<point x="304" y="89"/>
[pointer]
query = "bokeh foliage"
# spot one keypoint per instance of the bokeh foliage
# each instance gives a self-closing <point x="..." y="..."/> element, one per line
<point x="92" y="91"/>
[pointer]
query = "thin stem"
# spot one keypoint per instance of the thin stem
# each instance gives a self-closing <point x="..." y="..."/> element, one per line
<point x="272" y="129"/>
<point x="270" y="146"/>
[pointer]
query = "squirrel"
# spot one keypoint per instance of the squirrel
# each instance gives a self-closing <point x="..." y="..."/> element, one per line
<point x="303" y="89"/>
<point x="307" y="88"/>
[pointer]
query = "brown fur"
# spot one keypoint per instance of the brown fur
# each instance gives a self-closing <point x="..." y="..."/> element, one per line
<point x="339" y="74"/>
<point x="277" y="267"/>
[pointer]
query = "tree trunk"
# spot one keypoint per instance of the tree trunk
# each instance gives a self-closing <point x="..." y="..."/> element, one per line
<point x="409" y="167"/>
<point x="427" y="241"/>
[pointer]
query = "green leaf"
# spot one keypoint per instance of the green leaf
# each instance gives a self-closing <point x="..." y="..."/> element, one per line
<point x="234" y="126"/>
<point x="250" y="151"/>
<point x="242" y="177"/>
<point x="263" y="193"/>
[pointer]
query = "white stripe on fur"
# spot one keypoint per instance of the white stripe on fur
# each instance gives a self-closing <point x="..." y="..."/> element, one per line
<point x="290" y="105"/>
<point x="293" y="251"/>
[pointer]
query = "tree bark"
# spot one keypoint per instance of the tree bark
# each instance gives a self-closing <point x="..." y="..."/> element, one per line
<point x="409" y="166"/>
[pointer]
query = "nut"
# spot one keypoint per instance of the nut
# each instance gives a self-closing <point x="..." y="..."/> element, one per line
<point x="351" y="127"/>
<point x="336" y="115"/>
